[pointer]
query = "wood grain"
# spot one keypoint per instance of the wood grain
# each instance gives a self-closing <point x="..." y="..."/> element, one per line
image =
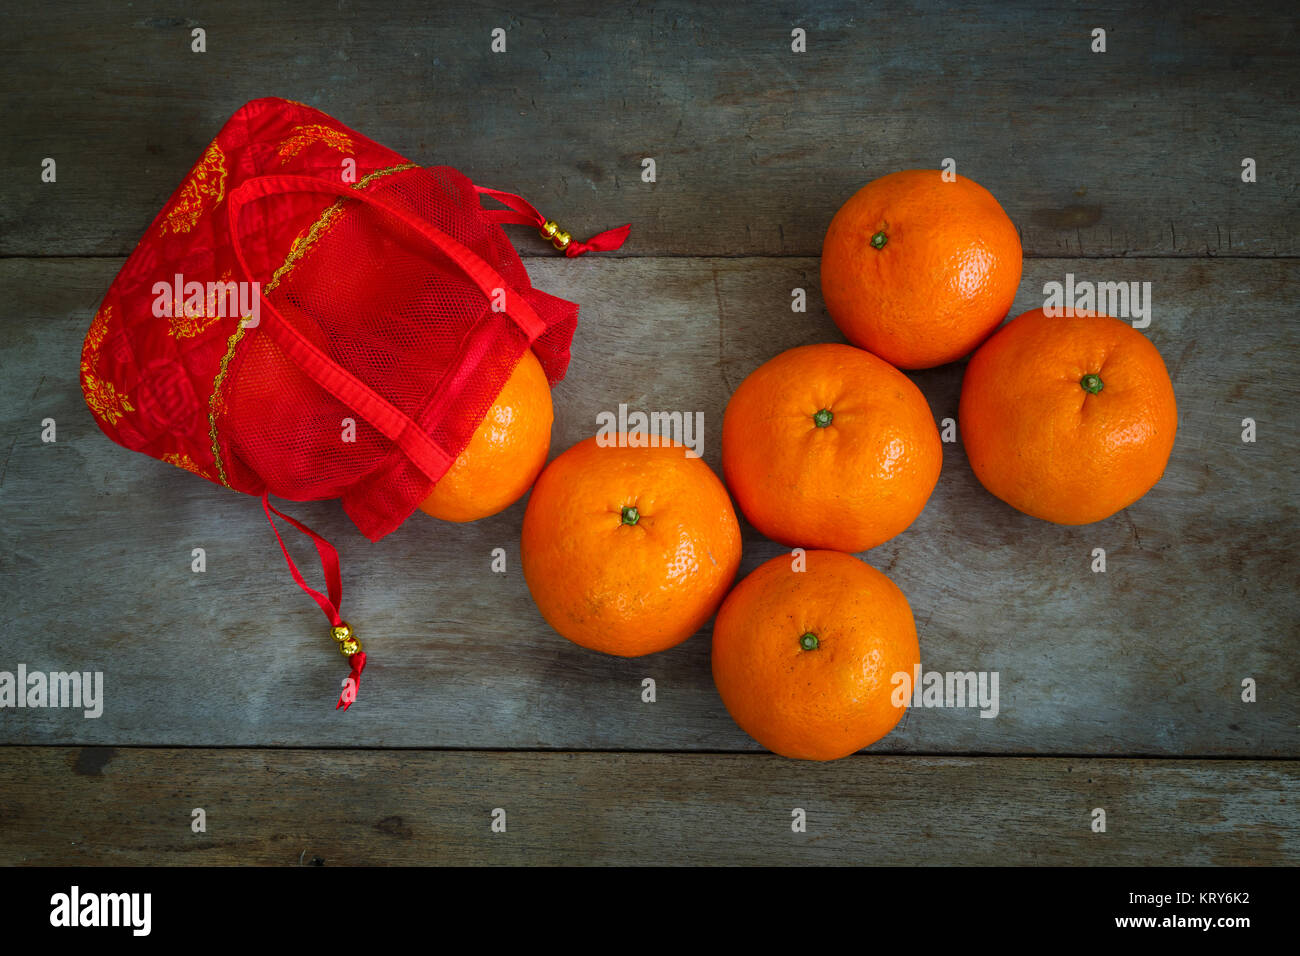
<point x="1135" y="151"/>
<point x="347" y="807"/>
<point x="1146" y="659"/>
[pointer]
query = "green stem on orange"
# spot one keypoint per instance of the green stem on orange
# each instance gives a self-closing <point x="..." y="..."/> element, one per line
<point x="809" y="641"/>
<point x="1091" y="383"/>
<point x="879" y="239"/>
<point x="630" y="514"/>
<point x="823" y="418"/>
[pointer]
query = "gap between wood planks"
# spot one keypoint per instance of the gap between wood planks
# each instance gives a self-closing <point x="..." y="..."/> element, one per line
<point x="660" y="752"/>
<point x="542" y="257"/>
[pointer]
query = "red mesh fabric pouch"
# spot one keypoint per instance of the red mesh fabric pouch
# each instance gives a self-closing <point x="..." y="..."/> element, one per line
<point x="311" y="316"/>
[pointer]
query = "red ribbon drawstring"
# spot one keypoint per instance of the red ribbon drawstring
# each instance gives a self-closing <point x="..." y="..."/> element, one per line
<point x="520" y="212"/>
<point x="353" y="681"/>
<point x="329" y="560"/>
<point x="523" y="213"/>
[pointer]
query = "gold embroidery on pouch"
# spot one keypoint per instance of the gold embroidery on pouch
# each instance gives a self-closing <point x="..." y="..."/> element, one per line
<point x="188" y="320"/>
<point x="300" y="137"/>
<point x="98" y="329"/>
<point x="182" y="460"/>
<point x="102" y="398"/>
<point x="297" y="249"/>
<point x="205" y="187"/>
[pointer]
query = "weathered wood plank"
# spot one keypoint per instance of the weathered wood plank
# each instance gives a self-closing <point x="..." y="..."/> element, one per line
<point x="1147" y="658"/>
<point x="289" y="807"/>
<point x="1135" y="151"/>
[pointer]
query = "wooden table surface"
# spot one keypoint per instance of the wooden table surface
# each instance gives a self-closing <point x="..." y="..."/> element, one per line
<point x="1120" y="690"/>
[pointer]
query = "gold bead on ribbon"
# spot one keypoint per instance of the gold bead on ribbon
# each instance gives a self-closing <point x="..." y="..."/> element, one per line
<point x="557" y="236"/>
<point x="347" y="641"/>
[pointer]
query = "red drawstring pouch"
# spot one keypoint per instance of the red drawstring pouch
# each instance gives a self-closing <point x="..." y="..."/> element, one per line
<point x="312" y="316"/>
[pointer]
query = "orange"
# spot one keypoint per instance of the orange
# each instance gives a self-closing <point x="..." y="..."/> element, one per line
<point x="805" y="661"/>
<point x="918" y="270"/>
<point x="629" y="550"/>
<point x="827" y="446"/>
<point x="504" y="456"/>
<point x="1070" y="418"/>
